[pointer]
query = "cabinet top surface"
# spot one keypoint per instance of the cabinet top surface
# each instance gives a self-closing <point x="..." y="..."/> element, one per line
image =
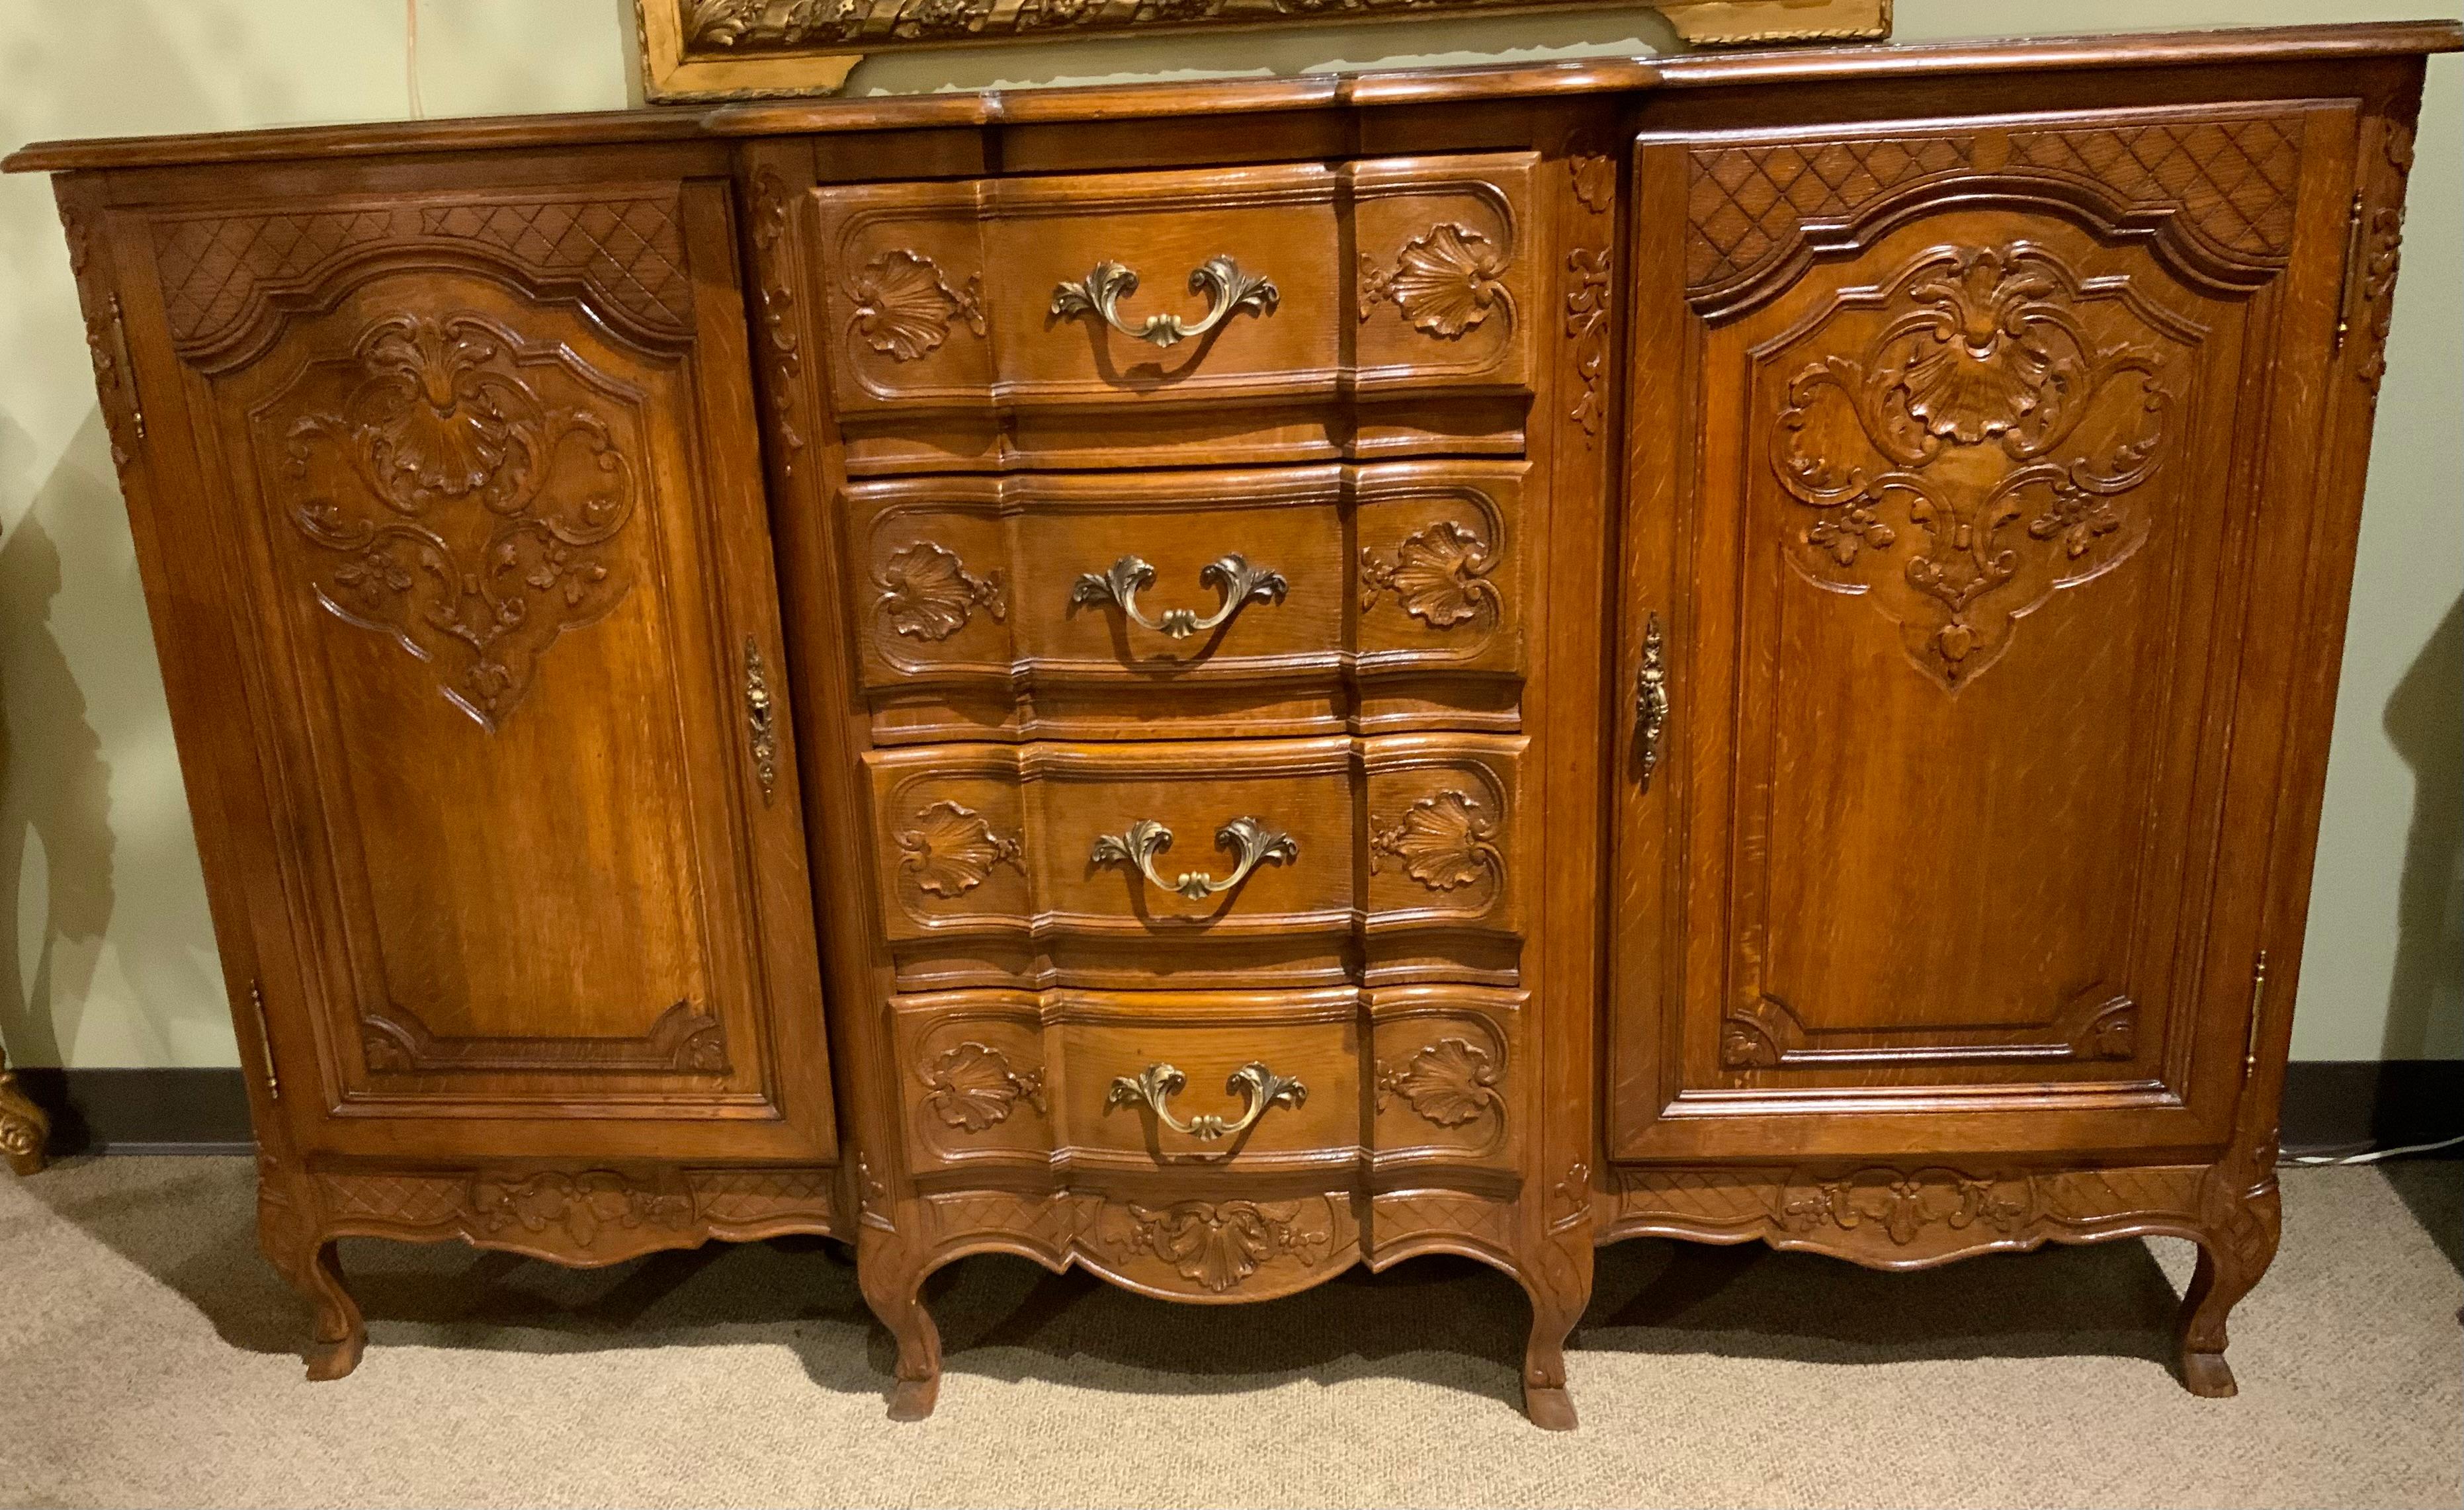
<point x="1419" y="87"/>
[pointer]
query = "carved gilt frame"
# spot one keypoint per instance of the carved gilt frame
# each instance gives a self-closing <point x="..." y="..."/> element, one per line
<point x="754" y="49"/>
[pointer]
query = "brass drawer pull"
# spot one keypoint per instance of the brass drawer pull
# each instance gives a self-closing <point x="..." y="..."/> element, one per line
<point x="1254" y="1082"/>
<point x="1240" y="583"/>
<point x="1229" y="292"/>
<point x="1248" y="838"/>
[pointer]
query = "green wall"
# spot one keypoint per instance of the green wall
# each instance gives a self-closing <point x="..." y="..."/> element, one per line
<point x="106" y="955"/>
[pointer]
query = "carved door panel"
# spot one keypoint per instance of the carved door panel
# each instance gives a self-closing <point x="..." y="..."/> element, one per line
<point x="497" y="563"/>
<point x="1938" y="633"/>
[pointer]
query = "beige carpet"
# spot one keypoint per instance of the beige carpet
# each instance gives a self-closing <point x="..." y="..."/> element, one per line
<point x="148" y="1357"/>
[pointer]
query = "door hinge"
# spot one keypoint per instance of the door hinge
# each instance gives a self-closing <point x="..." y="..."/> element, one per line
<point x="265" y="1041"/>
<point x="2258" y="1007"/>
<point x="2352" y="275"/>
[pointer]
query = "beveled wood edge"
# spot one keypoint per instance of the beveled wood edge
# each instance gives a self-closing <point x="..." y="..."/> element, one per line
<point x="1405" y="87"/>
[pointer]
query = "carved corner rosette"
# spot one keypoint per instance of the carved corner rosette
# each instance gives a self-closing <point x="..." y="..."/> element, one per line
<point x="1444" y="282"/>
<point x="925" y="592"/>
<point x="948" y="849"/>
<point x="1985" y="439"/>
<point x="1439" y="574"/>
<point x="905" y="307"/>
<point x="974" y="1088"/>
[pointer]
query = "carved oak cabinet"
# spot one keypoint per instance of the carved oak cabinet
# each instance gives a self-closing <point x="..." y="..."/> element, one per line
<point x="1221" y="682"/>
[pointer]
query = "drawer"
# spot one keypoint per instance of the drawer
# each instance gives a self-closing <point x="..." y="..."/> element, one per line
<point x="1292" y="312"/>
<point x="1391" y="1083"/>
<point x="1302" y="600"/>
<point x="1284" y="861"/>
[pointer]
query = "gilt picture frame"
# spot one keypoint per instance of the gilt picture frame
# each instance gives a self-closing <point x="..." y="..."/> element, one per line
<point x="757" y="48"/>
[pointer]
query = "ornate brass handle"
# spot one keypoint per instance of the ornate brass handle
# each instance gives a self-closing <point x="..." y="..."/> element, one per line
<point x="1256" y="1084"/>
<point x="1650" y="699"/>
<point x="756" y="719"/>
<point x="1248" y="838"/>
<point x="1229" y="292"/>
<point x="1241" y="583"/>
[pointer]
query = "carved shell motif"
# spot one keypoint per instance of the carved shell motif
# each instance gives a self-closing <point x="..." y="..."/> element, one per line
<point x="974" y="1088"/>
<point x="1439" y="575"/>
<point x="1217" y="1246"/>
<point x="1448" y="1083"/>
<point x="950" y="850"/>
<point x="1445" y="843"/>
<point x="904" y="307"/>
<point x="927" y="593"/>
<point x="1444" y="282"/>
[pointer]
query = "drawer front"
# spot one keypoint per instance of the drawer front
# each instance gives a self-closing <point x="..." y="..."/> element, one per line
<point x="1279" y="861"/>
<point x="1298" y="600"/>
<point x="1430" y="1077"/>
<point x="991" y="322"/>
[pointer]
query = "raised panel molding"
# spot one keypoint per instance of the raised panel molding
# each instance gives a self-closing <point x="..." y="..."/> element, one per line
<point x="225" y="275"/>
<point x="2216" y="192"/>
<point x="465" y="512"/>
<point x="1764" y="1033"/>
<point x="684" y="1039"/>
<point x="1999" y="446"/>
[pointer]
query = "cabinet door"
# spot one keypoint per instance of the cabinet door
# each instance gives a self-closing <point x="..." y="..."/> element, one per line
<point x="477" y="497"/>
<point x="1957" y="592"/>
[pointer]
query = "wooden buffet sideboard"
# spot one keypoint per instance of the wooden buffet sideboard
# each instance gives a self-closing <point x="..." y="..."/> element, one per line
<point x="1219" y="682"/>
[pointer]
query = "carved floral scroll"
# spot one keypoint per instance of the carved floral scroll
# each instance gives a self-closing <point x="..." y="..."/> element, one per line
<point x="1986" y="449"/>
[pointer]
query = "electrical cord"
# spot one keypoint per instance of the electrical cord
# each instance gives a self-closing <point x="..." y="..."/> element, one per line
<point x="2374" y="1155"/>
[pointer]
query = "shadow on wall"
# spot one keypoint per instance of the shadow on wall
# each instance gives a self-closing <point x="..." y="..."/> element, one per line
<point x="54" y="788"/>
<point x="2426" y="988"/>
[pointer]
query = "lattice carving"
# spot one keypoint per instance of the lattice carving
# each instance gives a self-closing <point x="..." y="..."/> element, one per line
<point x="628" y="253"/>
<point x="2228" y="183"/>
<point x="744" y="1197"/>
<point x="1415" y="1218"/>
<point x="2234" y="179"/>
<point x="1745" y="204"/>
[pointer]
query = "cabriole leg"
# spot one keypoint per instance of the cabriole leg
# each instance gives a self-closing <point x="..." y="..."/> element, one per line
<point x="342" y="1334"/>
<point x="1559" y="1285"/>
<point x="24" y="1128"/>
<point x="893" y="1284"/>
<point x="2232" y="1254"/>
